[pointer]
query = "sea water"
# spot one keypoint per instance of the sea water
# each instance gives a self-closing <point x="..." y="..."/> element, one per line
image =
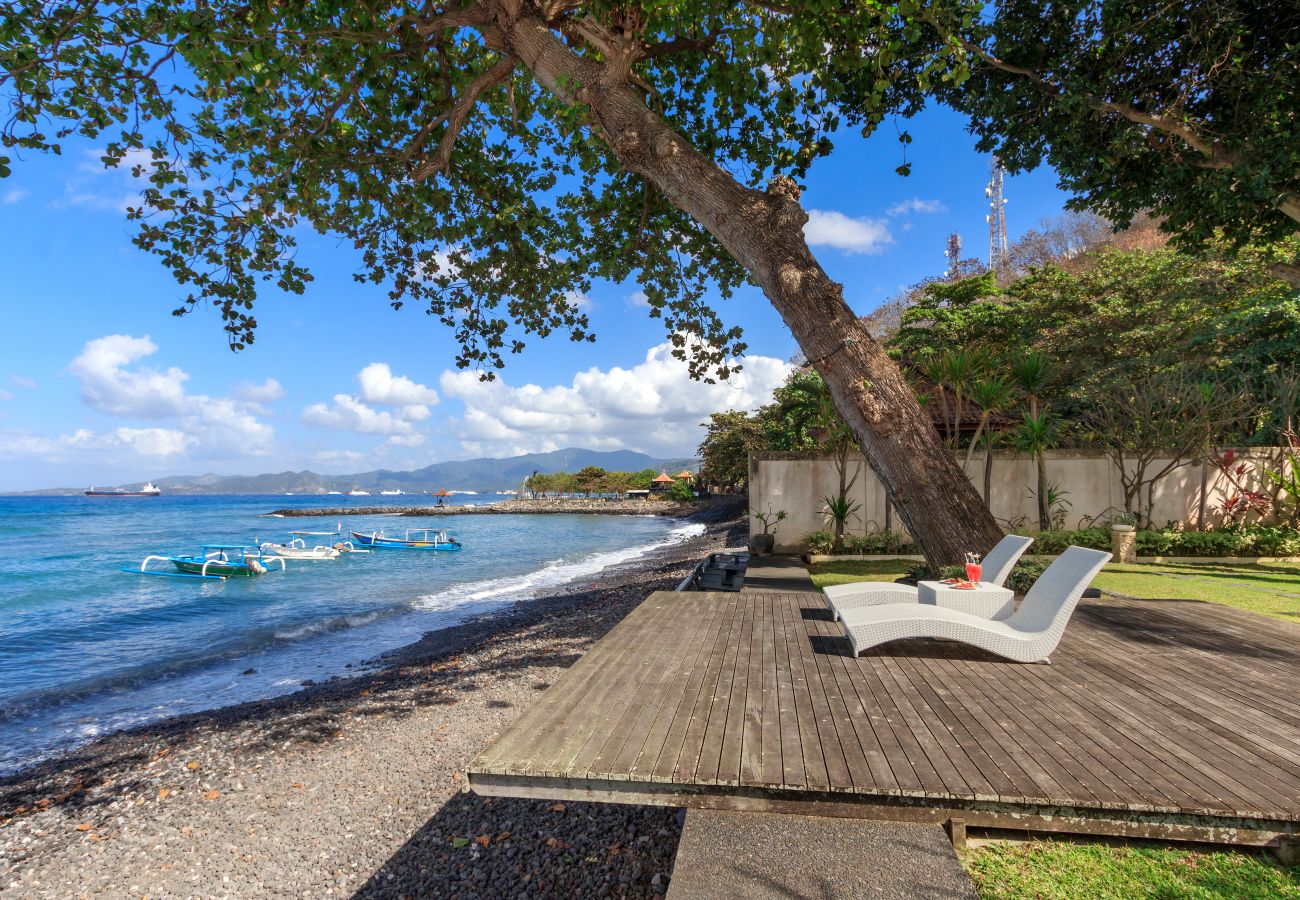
<point x="86" y="649"/>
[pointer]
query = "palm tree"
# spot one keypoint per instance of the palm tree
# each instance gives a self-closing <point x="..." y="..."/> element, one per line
<point x="993" y="394"/>
<point x="933" y="368"/>
<point x="1031" y="373"/>
<point x="959" y="368"/>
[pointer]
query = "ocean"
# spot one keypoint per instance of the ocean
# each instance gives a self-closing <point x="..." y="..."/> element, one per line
<point x="86" y="650"/>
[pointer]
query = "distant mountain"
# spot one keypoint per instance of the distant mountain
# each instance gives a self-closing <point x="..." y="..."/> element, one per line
<point x="482" y="475"/>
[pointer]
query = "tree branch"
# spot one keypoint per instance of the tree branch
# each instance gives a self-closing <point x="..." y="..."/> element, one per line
<point x="458" y="113"/>
<point x="1216" y="157"/>
<point x="679" y="45"/>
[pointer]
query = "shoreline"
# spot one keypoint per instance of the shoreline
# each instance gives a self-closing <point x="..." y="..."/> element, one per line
<point x="405" y="724"/>
<point x="512" y="508"/>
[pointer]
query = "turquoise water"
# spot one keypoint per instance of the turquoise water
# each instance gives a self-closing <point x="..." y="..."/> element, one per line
<point x="86" y="650"/>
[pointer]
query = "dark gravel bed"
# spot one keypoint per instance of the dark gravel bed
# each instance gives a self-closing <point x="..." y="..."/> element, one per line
<point x="353" y="787"/>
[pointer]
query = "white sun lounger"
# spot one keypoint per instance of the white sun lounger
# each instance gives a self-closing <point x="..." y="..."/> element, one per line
<point x="1030" y="634"/>
<point x="998" y="564"/>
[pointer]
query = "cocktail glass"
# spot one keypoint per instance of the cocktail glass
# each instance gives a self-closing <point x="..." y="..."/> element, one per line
<point x="974" y="571"/>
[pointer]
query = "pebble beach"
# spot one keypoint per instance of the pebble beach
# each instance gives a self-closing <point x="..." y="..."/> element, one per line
<point x="353" y="787"/>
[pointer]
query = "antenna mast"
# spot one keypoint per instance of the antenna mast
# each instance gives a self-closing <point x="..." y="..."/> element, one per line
<point x="953" y="255"/>
<point x="997" y="218"/>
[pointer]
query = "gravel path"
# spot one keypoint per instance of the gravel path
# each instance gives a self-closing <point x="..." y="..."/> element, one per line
<point x="353" y="787"/>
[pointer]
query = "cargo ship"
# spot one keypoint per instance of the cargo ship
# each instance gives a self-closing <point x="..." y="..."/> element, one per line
<point x="148" y="490"/>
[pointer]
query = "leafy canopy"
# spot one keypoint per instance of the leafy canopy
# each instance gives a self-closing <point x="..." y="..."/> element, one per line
<point x="1187" y="110"/>
<point x="407" y="130"/>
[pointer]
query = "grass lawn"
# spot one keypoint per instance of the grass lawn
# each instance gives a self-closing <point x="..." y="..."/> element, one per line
<point x="846" y="571"/>
<point x="1270" y="589"/>
<point x="1054" y="870"/>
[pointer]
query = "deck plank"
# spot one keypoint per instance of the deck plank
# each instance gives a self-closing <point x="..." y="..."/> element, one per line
<point x="1149" y="709"/>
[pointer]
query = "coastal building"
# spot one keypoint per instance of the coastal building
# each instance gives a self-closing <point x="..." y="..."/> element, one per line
<point x="662" y="483"/>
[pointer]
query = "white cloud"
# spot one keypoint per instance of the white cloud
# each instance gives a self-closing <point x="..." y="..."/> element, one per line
<point x="340" y="456"/>
<point x="113" y="381"/>
<point x="347" y="413"/>
<point x="917" y="205"/>
<point x="408" y="402"/>
<point x="638" y="300"/>
<point x="380" y="385"/>
<point x="23" y="381"/>
<point x="653" y="406"/>
<point x="14" y="195"/>
<point x="267" y="392"/>
<point x="829" y="228"/>
<point x="83" y="441"/>
<point x="5" y="395"/>
<point x="109" y="386"/>
<point x="155" y="441"/>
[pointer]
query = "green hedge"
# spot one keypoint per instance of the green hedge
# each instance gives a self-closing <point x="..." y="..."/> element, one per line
<point x="877" y="543"/>
<point x="1236" y="540"/>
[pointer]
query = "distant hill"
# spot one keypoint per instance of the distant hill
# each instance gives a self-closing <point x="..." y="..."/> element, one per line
<point x="482" y="475"/>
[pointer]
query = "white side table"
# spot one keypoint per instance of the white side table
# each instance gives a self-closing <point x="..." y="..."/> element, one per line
<point x="987" y="600"/>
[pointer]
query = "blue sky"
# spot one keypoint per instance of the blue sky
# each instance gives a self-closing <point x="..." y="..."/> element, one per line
<point x="100" y="384"/>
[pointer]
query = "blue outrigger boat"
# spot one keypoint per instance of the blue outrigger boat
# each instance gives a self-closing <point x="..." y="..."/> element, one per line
<point x="215" y="562"/>
<point x="424" y="539"/>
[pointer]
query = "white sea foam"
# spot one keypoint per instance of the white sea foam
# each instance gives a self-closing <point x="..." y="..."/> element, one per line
<point x="512" y="588"/>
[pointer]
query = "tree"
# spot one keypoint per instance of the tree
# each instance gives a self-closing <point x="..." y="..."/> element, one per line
<point x="805" y="403"/>
<point x="1173" y="108"/>
<point x="993" y="394"/>
<point x="489" y="159"/>
<point x="1169" y="416"/>
<point x="1030" y="374"/>
<point x="539" y="483"/>
<point x="618" y="483"/>
<point x="1108" y="316"/>
<point x="590" y="479"/>
<point x="724" y="452"/>
<point x="644" y="478"/>
<point x="681" y="491"/>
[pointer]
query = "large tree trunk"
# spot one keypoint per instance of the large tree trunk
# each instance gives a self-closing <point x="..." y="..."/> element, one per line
<point x="763" y="231"/>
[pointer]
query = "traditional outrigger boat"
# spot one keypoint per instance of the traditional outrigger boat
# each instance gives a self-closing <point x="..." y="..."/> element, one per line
<point x="423" y="540"/>
<point x="213" y="561"/>
<point x="297" y="548"/>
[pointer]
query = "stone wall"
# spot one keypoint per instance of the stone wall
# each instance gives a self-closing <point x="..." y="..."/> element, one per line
<point x="797" y="483"/>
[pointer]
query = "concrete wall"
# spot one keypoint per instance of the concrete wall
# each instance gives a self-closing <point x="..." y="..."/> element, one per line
<point x="797" y="483"/>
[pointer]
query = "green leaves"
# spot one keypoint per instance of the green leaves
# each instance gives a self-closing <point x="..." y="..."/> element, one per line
<point x="253" y="123"/>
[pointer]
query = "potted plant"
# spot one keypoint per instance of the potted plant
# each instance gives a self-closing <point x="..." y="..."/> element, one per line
<point x="762" y="544"/>
<point x="1124" y="522"/>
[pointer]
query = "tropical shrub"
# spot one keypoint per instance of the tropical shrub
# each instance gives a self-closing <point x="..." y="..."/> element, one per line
<point x="1053" y="542"/>
<point x="1232" y="540"/>
<point x="1024" y="575"/>
<point x="876" y="543"/>
<point x="819" y="541"/>
<point x="1235" y="540"/>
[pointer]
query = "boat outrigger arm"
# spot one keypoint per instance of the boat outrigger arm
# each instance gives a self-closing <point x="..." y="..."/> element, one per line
<point x="345" y="546"/>
<point x="144" y="570"/>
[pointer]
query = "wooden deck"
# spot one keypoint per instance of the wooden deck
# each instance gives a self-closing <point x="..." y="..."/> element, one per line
<point x="1163" y="719"/>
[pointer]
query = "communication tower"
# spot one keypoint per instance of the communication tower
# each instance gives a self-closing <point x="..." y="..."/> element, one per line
<point x="997" y="217"/>
<point x="953" y="255"/>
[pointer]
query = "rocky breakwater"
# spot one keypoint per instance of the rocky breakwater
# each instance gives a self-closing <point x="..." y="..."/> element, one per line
<point x="548" y="506"/>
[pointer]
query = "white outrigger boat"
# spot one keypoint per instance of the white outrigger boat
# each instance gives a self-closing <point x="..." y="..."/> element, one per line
<point x="213" y="561"/>
<point x="416" y="539"/>
<point x="297" y="548"/>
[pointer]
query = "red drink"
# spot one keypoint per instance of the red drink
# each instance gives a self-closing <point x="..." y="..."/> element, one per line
<point x="974" y="571"/>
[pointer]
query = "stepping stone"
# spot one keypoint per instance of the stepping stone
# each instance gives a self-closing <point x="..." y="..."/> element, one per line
<point x="725" y="854"/>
